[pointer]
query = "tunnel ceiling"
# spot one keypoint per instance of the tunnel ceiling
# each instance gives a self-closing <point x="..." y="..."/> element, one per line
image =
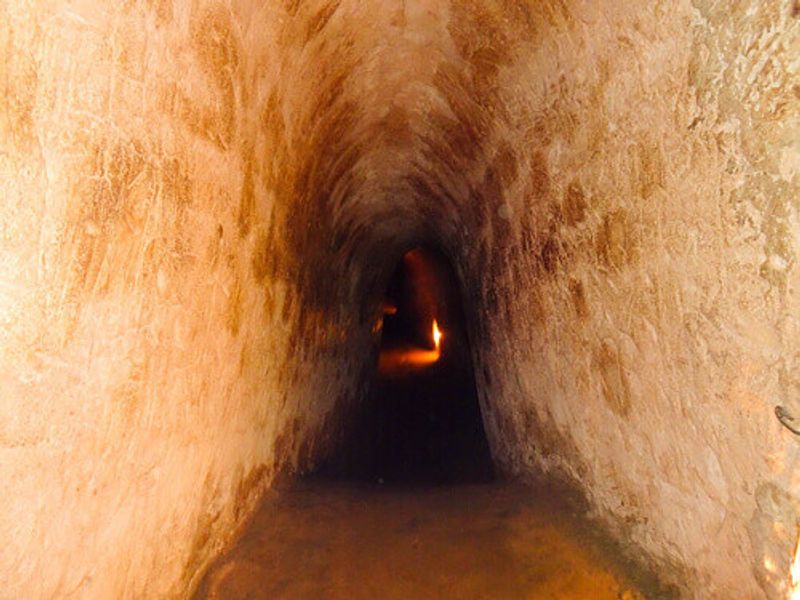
<point x="203" y="201"/>
<point x="408" y="134"/>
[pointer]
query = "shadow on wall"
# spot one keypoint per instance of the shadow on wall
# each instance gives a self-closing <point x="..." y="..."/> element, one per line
<point x="421" y="422"/>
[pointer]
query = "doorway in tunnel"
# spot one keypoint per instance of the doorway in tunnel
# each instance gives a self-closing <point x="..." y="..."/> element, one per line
<point x="421" y="421"/>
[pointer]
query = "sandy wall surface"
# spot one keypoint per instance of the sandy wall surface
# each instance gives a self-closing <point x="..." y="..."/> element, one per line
<point x="157" y="365"/>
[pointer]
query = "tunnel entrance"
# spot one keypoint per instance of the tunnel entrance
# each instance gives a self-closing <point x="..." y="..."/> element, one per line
<point x="421" y="422"/>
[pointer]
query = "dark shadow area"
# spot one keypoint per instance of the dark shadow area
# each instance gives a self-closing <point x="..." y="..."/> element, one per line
<point x="422" y="421"/>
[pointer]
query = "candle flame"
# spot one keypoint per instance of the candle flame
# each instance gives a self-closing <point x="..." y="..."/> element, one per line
<point x="437" y="335"/>
<point x="794" y="592"/>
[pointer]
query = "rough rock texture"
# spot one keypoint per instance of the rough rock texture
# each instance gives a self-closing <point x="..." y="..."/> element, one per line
<point x="639" y="323"/>
<point x="157" y="364"/>
<point x="202" y="201"/>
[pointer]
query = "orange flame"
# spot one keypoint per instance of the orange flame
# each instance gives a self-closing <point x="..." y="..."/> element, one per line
<point x="437" y="335"/>
<point x="794" y="592"/>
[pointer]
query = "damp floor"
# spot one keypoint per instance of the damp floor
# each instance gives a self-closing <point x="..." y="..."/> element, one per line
<point x="319" y="539"/>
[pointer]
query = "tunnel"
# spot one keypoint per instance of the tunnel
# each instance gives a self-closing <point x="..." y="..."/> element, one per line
<point x="205" y="207"/>
<point x="420" y="420"/>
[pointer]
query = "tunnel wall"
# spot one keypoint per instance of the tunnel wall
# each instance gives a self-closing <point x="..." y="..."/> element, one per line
<point x="635" y="284"/>
<point x="160" y="360"/>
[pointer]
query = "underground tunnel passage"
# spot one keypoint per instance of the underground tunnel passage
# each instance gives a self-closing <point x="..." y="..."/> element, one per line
<point x="204" y="203"/>
<point x="425" y="518"/>
<point x="421" y="421"/>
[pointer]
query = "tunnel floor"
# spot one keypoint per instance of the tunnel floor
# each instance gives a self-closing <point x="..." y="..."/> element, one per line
<point x="320" y="539"/>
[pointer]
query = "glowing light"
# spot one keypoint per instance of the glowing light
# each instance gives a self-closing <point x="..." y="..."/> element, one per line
<point x="437" y="335"/>
<point x="399" y="361"/>
<point x="794" y="592"/>
<point x="377" y="325"/>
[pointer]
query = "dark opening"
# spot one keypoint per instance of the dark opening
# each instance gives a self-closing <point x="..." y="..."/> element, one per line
<point x="422" y="420"/>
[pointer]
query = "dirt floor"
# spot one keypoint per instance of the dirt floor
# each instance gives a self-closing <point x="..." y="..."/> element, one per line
<point x="322" y="539"/>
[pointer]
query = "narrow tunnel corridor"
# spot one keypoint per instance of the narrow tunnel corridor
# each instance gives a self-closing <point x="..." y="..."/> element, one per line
<point x="421" y="421"/>
<point x="502" y="291"/>
<point x="407" y="506"/>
